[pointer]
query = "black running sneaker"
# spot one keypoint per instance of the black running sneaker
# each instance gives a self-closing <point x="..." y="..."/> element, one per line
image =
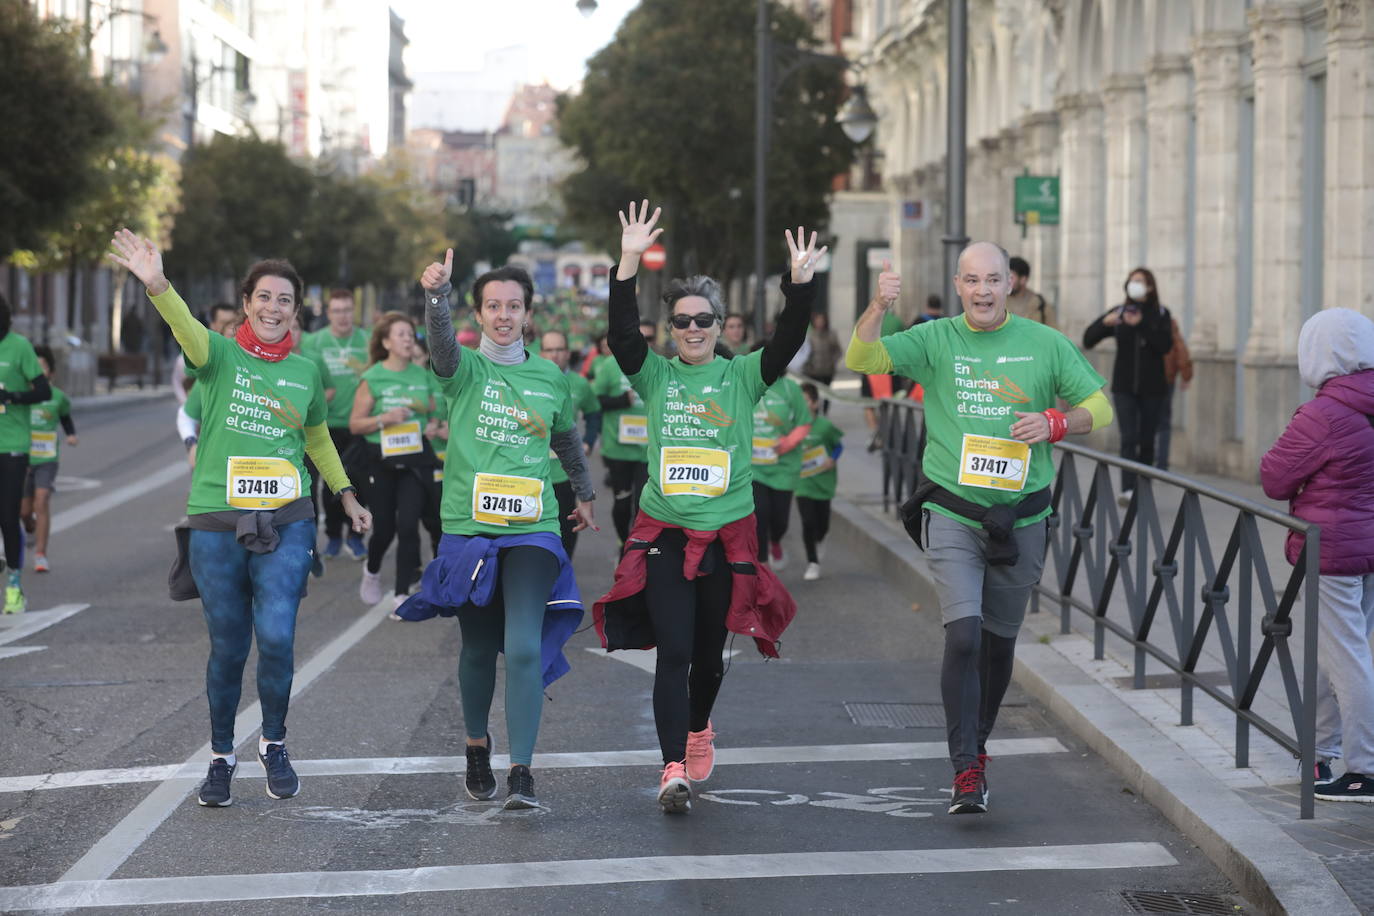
<point x="1352" y="787"/>
<point x="970" y="792"/>
<point x="520" y="789"/>
<point x="214" y="792"/>
<point x="983" y="759"/>
<point x="282" y="781"/>
<point x="478" y="779"/>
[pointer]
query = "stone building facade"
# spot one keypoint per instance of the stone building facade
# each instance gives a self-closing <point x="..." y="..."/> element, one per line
<point x="1228" y="145"/>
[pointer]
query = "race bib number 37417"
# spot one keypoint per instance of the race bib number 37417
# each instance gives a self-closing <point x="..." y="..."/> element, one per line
<point x="993" y="464"/>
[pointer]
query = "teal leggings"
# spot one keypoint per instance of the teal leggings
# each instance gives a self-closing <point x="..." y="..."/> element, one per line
<point x="514" y="620"/>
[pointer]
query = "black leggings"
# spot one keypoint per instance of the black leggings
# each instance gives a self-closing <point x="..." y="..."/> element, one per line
<point x="398" y="501"/>
<point x="567" y="502"/>
<point x="973" y="680"/>
<point x="772" y="510"/>
<point x="689" y="629"/>
<point x="13" y="470"/>
<point x="815" y="519"/>
<point x="627" y="482"/>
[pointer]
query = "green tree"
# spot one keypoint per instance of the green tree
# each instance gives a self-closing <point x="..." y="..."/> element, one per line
<point x="682" y="134"/>
<point x="55" y="117"/>
<point x="478" y="235"/>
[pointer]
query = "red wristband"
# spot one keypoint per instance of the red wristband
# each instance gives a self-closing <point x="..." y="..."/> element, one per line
<point x="1059" y="424"/>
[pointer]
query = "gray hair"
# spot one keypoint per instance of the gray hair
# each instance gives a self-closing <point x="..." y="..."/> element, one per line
<point x="698" y="285"/>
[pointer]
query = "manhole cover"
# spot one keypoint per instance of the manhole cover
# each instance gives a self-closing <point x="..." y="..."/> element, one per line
<point x="1187" y="904"/>
<point x="897" y="715"/>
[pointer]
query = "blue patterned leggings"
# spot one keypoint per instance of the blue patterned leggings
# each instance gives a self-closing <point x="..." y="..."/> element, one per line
<point x="244" y="594"/>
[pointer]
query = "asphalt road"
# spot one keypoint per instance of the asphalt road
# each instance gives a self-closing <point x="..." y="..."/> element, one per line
<point x="807" y="811"/>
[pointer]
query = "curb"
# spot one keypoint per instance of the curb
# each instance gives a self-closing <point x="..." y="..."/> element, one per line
<point x="1268" y="867"/>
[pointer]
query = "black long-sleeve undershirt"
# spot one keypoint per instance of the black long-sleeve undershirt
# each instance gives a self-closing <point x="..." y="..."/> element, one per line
<point x="68" y="426"/>
<point x="40" y="391"/>
<point x="630" y="350"/>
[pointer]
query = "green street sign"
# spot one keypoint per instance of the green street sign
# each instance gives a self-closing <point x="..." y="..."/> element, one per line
<point x="1035" y="199"/>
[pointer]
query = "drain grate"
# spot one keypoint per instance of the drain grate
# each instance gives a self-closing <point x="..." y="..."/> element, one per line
<point x="1186" y="904"/>
<point x="1355" y="872"/>
<point x="897" y="715"/>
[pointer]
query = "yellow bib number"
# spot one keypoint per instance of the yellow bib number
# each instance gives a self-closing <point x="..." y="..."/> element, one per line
<point x="439" y="471"/>
<point x="765" y="450"/>
<point x="402" y="439"/>
<point x="686" y="471"/>
<point x="813" y="461"/>
<point x="500" y="499"/>
<point x="43" y="445"/>
<point x="262" y="483"/>
<point x="634" y="430"/>
<point x="994" y="464"/>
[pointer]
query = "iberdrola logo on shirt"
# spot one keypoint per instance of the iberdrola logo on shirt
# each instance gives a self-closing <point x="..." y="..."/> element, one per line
<point x="505" y="418"/>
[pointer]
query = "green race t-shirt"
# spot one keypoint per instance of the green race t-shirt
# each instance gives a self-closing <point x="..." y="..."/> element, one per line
<point x="408" y="388"/>
<point x="816" y="480"/>
<point x="583" y="402"/>
<point x="496" y="475"/>
<point x="624" y="432"/>
<point x="975" y="382"/>
<point x="700" y="432"/>
<point x="44" y="418"/>
<point x="343" y="361"/>
<point x="193" y="404"/>
<point x="438" y="443"/>
<point x="18" y="368"/>
<point x="781" y="409"/>
<point x="252" y="433"/>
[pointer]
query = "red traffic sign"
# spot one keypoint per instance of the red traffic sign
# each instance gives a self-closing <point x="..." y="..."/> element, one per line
<point x="654" y="257"/>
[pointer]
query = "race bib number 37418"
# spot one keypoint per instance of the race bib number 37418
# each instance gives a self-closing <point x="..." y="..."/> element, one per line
<point x="262" y="483"/>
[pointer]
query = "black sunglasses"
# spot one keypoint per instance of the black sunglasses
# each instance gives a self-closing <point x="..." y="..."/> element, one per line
<point x="703" y="320"/>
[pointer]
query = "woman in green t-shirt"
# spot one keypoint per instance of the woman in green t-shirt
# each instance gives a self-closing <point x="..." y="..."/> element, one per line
<point x="781" y="420"/>
<point x="393" y="411"/>
<point x="251" y="541"/>
<point x="675" y="586"/>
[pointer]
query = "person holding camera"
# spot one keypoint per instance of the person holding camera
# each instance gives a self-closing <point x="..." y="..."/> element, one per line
<point x="1144" y="335"/>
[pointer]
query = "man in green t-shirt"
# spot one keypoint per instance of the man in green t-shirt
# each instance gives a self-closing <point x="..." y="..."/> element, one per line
<point x="553" y="346"/>
<point x="22" y="384"/>
<point x="991" y="382"/>
<point x="340" y="351"/>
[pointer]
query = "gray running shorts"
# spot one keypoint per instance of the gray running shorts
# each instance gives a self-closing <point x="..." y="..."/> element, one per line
<point x="41" y="477"/>
<point x="968" y="586"/>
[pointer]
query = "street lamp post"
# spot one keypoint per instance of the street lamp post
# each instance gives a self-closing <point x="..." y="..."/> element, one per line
<point x="856" y="119"/>
<point x="955" y="237"/>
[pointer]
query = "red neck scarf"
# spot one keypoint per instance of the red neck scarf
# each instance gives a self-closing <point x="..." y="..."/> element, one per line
<point x="273" y="353"/>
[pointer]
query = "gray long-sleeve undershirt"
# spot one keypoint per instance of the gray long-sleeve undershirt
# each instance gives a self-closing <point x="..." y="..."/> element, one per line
<point x="444" y="357"/>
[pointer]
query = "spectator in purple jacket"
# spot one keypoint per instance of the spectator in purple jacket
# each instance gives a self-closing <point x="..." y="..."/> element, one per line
<point x="1324" y="464"/>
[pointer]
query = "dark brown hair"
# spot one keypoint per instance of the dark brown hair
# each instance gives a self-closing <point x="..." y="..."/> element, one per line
<point x="1151" y="300"/>
<point x="339" y="293"/>
<point x="376" y="352"/>
<point x="518" y="274"/>
<point x="272" y="267"/>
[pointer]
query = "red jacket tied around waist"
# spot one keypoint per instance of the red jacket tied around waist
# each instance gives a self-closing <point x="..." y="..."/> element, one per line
<point x="760" y="606"/>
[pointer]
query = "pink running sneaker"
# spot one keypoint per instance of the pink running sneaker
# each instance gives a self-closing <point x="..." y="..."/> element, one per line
<point x="701" y="754"/>
<point x="674" y="792"/>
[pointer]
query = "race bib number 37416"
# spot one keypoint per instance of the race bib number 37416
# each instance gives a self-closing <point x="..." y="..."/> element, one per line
<point x="993" y="464"/>
<point x="503" y="499"/>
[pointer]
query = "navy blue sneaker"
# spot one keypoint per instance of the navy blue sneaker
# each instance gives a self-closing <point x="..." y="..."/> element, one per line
<point x="214" y="792"/>
<point x="520" y="789"/>
<point x="332" y="547"/>
<point x="1352" y="787"/>
<point x="356" y="548"/>
<point x="282" y="781"/>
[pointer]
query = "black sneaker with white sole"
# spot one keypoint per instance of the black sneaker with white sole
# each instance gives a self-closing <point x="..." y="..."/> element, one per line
<point x="282" y="781"/>
<point x="214" y="792"/>
<point x="1352" y="787"/>
<point x="478" y="779"/>
<point x="970" y="792"/>
<point x="520" y="789"/>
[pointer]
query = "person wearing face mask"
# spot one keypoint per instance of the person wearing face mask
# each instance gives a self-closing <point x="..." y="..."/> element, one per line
<point x="688" y="574"/>
<point x="249" y="538"/>
<point x="992" y="380"/>
<point x="1143" y="330"/>
<point x="501" y="569"/>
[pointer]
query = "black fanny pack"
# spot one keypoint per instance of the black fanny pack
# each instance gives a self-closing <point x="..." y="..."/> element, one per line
<point x="998" y="521"/>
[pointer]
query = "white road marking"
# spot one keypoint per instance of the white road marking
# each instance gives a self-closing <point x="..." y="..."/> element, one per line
<point x="194" y="769"/>
<point x="68" y="484"/>
<point x="221" y="889"/>
<point x="14" y="627"/>
<point x="645" y="659"/>
<point x="70" y="518"/>
<point x="113" y="849"/>
<point x="12" y="651"/>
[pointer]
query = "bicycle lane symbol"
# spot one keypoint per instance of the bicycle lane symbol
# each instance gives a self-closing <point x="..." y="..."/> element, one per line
<point x="894" y="801"/>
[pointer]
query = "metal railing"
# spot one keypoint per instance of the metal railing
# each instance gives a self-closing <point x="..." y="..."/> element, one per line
<point x="1103" y="560"/>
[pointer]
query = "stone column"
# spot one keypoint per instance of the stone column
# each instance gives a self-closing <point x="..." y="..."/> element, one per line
<point x="1348" y="273"/>
<point x="1168" y="113"/>
<point x="1212" y="340"/>
<point x="1271" y="383"/>
<point x="1040" y="132"/>
<point x="1123" y="103"/>
<point x="1082" y="215"/>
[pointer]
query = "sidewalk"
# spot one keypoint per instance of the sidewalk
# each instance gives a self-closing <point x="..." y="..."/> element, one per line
<point x="1246" y="820"/>
<point x="122" y="396"/>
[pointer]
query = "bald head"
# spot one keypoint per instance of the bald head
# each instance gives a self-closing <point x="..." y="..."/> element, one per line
<point x="983" y="283"/>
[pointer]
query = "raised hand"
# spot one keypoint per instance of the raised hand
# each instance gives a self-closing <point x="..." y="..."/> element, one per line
<point x="889" y="286"/>
<point x="437" y="275"/>
<point x="141" y="258"/>
<point x="803" y="259"/>
<point x="638" y="232"/>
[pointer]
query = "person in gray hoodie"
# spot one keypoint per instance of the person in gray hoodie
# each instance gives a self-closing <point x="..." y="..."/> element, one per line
<point x="1324" y="463"/>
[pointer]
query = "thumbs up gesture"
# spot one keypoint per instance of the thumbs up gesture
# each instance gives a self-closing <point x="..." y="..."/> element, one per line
<point x="437" y="275"/>
<point x="889" y="286"/>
